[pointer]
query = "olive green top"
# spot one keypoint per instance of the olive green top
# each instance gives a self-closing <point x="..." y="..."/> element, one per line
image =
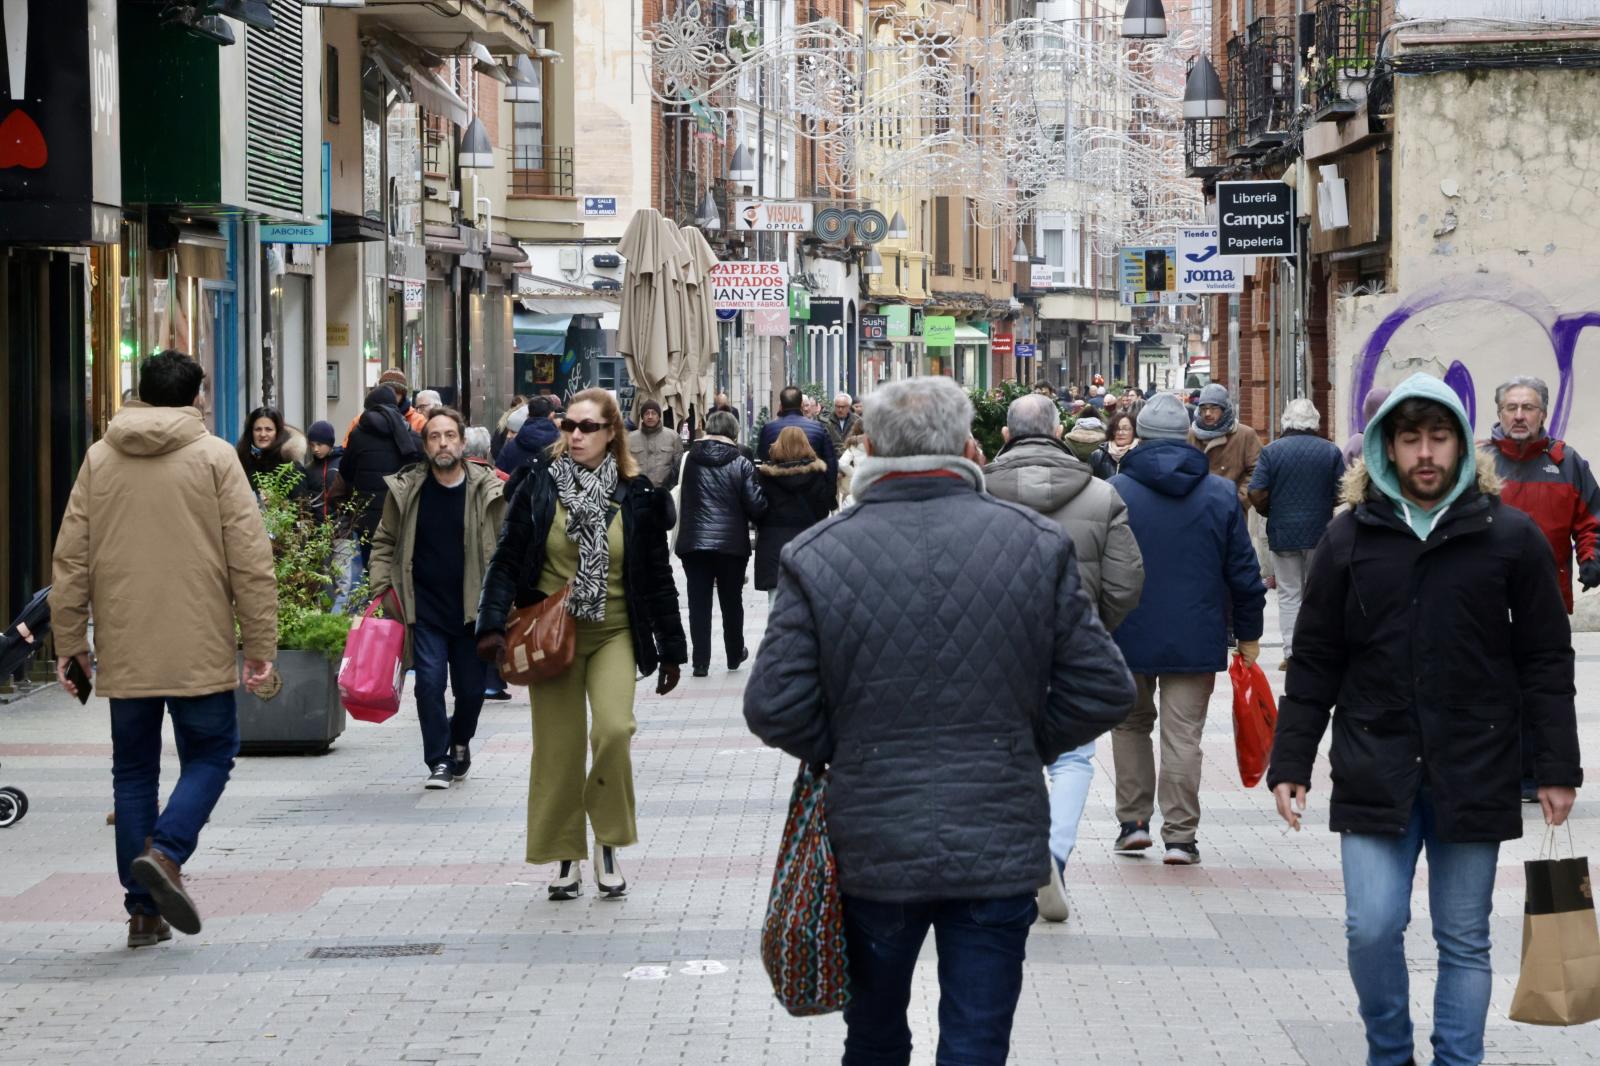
<point x="561" y="563"/>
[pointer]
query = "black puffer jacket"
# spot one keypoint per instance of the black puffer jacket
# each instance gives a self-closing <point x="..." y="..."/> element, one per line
<point x="513" y="575"/>
<point x="721" y="496"/>
<point x="799" y="495"/>
<point x="933" y="644"/>
<point x="380" y="445"/>
<point x="1435" y="652"/>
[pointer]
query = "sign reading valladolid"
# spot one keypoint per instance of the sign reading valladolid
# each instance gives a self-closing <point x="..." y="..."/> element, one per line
<point x="1257" y="218"/>
<point x="749" y="286"/>
<point x="766" y="216"/>
<point x="1201" y="268"/>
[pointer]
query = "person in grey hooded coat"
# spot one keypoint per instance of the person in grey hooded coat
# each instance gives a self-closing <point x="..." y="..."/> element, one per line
<point x="963" y="658"/>
<point x="1036" y="470"/>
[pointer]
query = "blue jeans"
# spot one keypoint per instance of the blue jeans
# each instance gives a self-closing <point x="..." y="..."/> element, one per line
<point x="433" y="652"/>
<point x="207" y="732"/>
<point x="981" y="942"/>
<point x="1069" y="791"/>
<point x="1378" y="871"/>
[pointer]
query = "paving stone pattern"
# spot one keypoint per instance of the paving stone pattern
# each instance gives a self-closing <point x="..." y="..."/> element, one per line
<point x="351" y="917"/>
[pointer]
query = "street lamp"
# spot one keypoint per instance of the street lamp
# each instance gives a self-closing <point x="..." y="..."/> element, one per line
<point x="873" y="263"/>
<point x="1144" y="20"/>
<point x="1019" y="254"/>
<point x="527" y="83"/>
<point x="743" y="167"/>
<point x="475" y="152"/>
<point x="709" y="219"/>
<point x="897" y="228"/>
<point x="1202" y="92"/>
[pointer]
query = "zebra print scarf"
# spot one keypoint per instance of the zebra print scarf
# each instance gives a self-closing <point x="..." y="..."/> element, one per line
<point x="586" y="494"/>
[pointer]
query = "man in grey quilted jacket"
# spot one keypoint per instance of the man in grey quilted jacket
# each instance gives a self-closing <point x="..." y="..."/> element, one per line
<point x="965" y="659"/>
<point x="1038" y="471"/>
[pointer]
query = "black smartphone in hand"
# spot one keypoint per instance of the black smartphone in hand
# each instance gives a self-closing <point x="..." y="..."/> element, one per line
<point x="79" y="679"/>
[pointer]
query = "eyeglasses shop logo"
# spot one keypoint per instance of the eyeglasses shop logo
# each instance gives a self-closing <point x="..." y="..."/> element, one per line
<point x="835" y="224"/>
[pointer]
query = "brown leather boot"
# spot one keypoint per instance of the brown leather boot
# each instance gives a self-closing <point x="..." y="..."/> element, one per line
<point x="147" y="930"/>
<point x="162" y="879"/>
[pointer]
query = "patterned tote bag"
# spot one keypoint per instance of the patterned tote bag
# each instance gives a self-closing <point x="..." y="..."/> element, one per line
<point x="802" y="939"/>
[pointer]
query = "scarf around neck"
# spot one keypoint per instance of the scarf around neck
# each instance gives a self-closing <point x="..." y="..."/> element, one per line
<point x="1119" y="450"/>
<point x="1221" y="429"/>
<point x="586" y="494"/>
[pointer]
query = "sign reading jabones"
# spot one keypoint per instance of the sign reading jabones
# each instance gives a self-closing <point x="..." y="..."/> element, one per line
<point x="1255" y="218"/>
<point x="749" y="286"/>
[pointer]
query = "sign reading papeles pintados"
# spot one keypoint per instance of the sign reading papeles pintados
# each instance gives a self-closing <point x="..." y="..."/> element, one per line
<point x="750" y="286"/>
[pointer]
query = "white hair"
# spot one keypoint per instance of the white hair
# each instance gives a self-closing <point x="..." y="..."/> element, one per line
<point x="842" y="397"/>
<point x="1301" y="413"/>
<point x="426" y="398"/>
<point x="918" y="416"/>
<point x="476" y="440"/>
<point x="1524" y="382"/>
<point x="1033" y="415"/>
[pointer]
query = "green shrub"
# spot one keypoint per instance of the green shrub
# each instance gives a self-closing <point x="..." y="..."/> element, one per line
<point x="306" y="565"/>
<point x="989" y="414"/>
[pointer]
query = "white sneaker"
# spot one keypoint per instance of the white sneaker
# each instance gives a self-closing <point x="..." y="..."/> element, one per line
<point x="608" y="879"/>
<point x="1182" y="855"/>
<point x="1053" y="897"/>
<point x="568" y="882"/>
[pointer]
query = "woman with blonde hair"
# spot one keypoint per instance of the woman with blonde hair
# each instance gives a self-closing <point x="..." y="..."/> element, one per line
<point x="799" y="495"/>
<point x="582" y="514"/>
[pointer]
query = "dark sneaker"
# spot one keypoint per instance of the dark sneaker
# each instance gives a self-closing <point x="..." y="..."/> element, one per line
<point x="162" y="878"/>
<point x="702" y="671"/>
<point x="499" y="697"/>
<point x="147" y="930"/>
<point x="1182" y="855"/>
<point x="460" y="760"/>
<point x="1052" y="898"/>
<point x="1134" y="836"/>
<point x="1530" y="791"/>
<point x="441" y="777"/>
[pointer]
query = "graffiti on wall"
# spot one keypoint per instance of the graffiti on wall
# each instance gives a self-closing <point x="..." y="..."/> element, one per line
<point x="1485" y="307"/>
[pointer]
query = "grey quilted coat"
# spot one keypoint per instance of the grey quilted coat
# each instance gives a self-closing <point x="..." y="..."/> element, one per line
<point x="934" y="645"/>
<point x="1041" y="474"/>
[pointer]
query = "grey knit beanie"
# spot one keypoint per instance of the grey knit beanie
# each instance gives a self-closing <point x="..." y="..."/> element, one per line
<point x="1163" y="417"/>
<point x="1217" y="394"/>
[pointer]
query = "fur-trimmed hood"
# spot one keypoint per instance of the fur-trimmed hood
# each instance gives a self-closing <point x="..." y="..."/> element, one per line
<point x="792" y="469"/>
<point x="1353" y="488"/>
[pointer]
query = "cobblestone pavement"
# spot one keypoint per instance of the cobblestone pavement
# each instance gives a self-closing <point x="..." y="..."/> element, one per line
<point x="312" y="860"/>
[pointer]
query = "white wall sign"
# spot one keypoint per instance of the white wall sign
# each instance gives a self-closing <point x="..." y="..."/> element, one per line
<point x="783" y="216"/>
<point x="1041" y="275"/>
<point x="750" y="286"/>
<point x="1201" y="268"/>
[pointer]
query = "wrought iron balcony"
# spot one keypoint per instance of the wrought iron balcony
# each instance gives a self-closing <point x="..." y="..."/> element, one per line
<point x="1261" y="85"/>
<point x="541" y="170"/>
<point x="1337" y="72"/>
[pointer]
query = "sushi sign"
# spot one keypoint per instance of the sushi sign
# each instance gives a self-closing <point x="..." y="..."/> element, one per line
<point x="750" y="286"/>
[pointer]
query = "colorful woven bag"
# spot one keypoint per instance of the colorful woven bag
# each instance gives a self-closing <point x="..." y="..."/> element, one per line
<point x="802" y="939"/>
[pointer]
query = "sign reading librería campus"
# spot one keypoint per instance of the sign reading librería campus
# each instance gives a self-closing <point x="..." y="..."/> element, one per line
<point x="1255" y="218"/>
<point x="749" y="286"/>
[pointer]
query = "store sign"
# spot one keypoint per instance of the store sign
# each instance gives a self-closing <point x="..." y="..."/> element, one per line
<point x="413" y="295"/>
<point x="749" y="286"/>
<point x="827" y="310"/>
<point x="874" y="327"/>
<point x="898" y="318"/>
<point x="838" y="224"/>
<point x="605" y="206"/>
<point x="939" y="331"/>
<point x="1256" y="218"/>
<point x="318" y="232"/>
<point x="1002" y="343"/>
<point x="726" y="314"/>
<point x="1041" y="276"/>
<point x="1201" y="268"/>
<point x="1149" y="276"/>
<point x="772" y="322"/>
<point x="771" y="216"/>
<point x="1027" y="351"/>
<point x="60" y="127"/>
<point x="799" y="302"/>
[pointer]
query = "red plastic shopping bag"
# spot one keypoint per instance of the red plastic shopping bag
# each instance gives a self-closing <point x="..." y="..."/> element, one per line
<point x="1255" y="716"/>
<point x="372" y="675"/>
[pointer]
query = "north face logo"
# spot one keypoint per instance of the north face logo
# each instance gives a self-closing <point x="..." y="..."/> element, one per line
<point x="1551" y="468"/>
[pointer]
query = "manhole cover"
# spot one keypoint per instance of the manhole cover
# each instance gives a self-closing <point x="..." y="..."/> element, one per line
<point x="375" y="951"/>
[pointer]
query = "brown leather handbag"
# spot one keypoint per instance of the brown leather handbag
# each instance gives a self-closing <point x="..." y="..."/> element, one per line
<point x="540" y="640"/>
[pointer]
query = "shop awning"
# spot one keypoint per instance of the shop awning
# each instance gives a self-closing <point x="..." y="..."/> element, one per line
<point x="538" y="334"/>
<point x="438" y="98"/>
<point x="966" y="334"/>
<point x="569" y="305"/>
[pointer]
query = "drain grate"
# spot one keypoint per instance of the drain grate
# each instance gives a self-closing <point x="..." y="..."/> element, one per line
<point x="375" y="951"/>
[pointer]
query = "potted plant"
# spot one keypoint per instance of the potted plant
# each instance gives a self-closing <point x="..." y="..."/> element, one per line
<point x="304" y="715"/>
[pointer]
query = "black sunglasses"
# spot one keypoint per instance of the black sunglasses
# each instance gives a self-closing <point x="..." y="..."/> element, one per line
<point x="587" y="425"/>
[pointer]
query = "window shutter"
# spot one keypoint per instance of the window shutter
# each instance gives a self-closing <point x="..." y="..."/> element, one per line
<point x="274" y="145"/>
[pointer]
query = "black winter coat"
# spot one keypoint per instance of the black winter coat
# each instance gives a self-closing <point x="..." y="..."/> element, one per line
<point x="935" y="646"/>
<point x="1435" y="653"/>
<point x="316" y="478"/>
<point x="530" y="442"/>
<point x="799" y="495"/>
<point x="513" y="575"/>
<point x="371" y="455"/>
<point x="719" y="499"/>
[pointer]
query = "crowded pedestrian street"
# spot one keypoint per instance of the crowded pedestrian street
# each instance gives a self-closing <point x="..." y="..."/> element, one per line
<point x="353" y="919"/>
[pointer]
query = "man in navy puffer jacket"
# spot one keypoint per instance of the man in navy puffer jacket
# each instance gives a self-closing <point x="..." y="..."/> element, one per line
<point x="1198" y="565"/>
<point x="536" y="434"/>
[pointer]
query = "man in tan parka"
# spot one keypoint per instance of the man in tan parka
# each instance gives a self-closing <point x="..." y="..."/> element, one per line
<point x="163" y="541"/>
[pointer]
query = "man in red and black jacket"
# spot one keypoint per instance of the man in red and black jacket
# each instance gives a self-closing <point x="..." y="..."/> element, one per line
<point x="1548" y="480"/>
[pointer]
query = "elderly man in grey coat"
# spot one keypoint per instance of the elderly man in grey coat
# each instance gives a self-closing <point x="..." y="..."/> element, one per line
<point x="967" y="658"/>
<point x="1038" y="471"/>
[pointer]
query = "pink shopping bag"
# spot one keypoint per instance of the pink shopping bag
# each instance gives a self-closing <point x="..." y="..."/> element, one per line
<point x="372" y="674"/>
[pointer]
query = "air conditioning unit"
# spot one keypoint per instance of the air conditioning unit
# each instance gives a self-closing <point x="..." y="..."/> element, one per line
<point x="607" y="284"/>
<point x="569" y="259"/>
<point x="607" y="261"/>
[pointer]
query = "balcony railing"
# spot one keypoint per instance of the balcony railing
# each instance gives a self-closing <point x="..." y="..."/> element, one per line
<point x="1348" y="33"/>
<point x="944" y="270"/>
<point x="541" y="170"/>
<point x="1261" y="84"/>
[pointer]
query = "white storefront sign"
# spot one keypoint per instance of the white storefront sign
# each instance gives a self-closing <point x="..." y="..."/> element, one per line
<point x="750" y="286"/>
<point x="1200" y="266"/>
<point x="767" y="216"/>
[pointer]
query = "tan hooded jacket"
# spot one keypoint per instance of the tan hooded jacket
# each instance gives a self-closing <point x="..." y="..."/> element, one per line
<point x="163" y="540"/>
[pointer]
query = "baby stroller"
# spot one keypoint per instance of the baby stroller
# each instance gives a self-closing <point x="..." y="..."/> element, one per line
<point x="18" y="645"/>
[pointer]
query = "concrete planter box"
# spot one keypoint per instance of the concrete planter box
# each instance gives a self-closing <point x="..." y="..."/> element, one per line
<point x="305" y="717"/>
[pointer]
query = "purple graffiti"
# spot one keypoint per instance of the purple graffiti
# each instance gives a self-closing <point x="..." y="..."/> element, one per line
<point x="1562" y="331"/>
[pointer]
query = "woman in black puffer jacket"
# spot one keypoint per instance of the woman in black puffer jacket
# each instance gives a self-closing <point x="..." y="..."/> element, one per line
<point x="799" y="495"/>
<point x="721" y="496"/>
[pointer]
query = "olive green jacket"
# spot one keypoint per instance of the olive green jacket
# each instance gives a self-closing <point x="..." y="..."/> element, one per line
<point x="396" y="536"/>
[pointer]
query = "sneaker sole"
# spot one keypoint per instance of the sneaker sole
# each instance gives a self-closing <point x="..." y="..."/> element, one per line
<point x="147" y="941"/>
<point x="434" y="786"/>
<point x="1133" y="845"/>
<point x="1187" y="860"/>
<point x="612" y="893"/>
<point x="459" y="776"/>
<point x="175" y="906"/>
<point x="562" y="895"/>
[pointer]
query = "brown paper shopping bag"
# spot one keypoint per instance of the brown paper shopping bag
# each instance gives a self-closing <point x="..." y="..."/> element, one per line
<point x="1560" y="979"/>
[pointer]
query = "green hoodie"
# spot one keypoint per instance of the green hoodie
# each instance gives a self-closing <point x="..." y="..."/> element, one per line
<point x="1381" y="470"/>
